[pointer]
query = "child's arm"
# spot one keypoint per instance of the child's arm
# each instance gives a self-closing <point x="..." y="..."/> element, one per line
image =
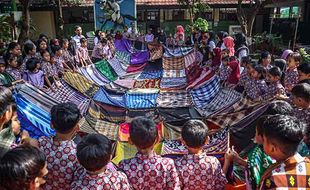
<point x="47" y="81"/>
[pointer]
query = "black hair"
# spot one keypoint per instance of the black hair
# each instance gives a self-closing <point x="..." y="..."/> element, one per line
<point x="104" y="41"/>
<point x="94" y="152"/>
<point x="6" y="99"/>
<point x="304" y="68"/>
<point x="296" y="56"/>
<point x="83" y="40"/>
<point x="253" y="64"/>
<point x="264" y="55"/>
<point x="43" y="35"/>
<point x="77" y="26"/>
<point x="211" y="36"/>
<point x="39" y="42"/>
<point x="284" y="131"/>
<point x="195" y="133"/>
<point x="28" y="47"/>
<point x="55" y="49"/>
<point x="43" y="52"/>
<point x="261" y="70"/>
<point x="143" y="132"/>
<point x="240" y="40"/>
<point x="260" y="124"/>
<point x="97" y="33"/>
<point x="10" y="58"/>
<point x="64" y="117"/>
<point x="12" y="45"/>
<point x="302" y="91"/>
<point x="20" y="166"/>
<point x="225" y="50"/>
<point x="307" y="81"/>
<point x="276" y="72"/>
<point x="63" y="41"/>
<point x="279" y="107"/>
<point x="32" y="64"/>
<point x="246" y="60"/>
<point x="281" y="63"/>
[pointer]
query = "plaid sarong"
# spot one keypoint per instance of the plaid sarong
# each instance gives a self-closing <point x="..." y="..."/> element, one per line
<point x="173" y="83"/>
<point x="174" y="63"/>
<point x="174" y="99"/>
<point x="117" y="67"/>
<point x="204" y="94"/>
<point x="7" y="138"/>
<point x="156" y="51"/>
<point x="193" y="72"/>
<point x="92" y="74"/>
<point x="106" y="70"/>
<point x="147" y="83"/>
<point x="152" y="74"/>
<point x="172" y="132"/>
<point x="174" y="73"/>
<point x="81" y="83"/>
<point x="111" y="98"/>
<point x="141" y="98"/>
<point x="190" y="58"/>
<point x="205" y="75"/>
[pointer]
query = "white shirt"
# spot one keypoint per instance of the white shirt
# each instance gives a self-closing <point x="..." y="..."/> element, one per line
<point x="77" y="39"/>
<point x="130" y="30"/>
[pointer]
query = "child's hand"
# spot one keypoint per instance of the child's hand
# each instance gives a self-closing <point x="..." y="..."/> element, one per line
<point x="229" y="155"/>
<point x="24" y="135"/>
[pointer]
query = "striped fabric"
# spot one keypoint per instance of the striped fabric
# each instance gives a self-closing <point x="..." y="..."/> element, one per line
<point x="150" y="113"/>
<point x="178" y="116"/>
<point x="117" y="67"/>
<point x="174" y="73"/>
<point x="193" y="72"/>
<point x="204" y="94"/>
<point x="141" y="98"/>
<point x="151" y="74"/>
<point x="125" y="83"/>
<point x="106" y="70"/>
<point x="156" y="51"/>
<point x="91" y="73"/>
<point x="190" y="58"/>
<point x="174" y="63"/>
<point x="111" y="98"/>
<point x="123" y="57"/>
<point x="205" y="75"/>
<point x="174" y="99"/>
<point x="173" y="83"/>
<point x="107" y="112"/>
<point x="177" y="51"/>
<point x="147" y="83"/>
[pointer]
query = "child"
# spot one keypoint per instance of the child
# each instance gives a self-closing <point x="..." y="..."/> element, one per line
<point x="234" y="66"/>
<point x="291" y="74"/>
<point x="101" y="51"/>
<point x="225" y="70"/>
<point x="60" y="150"/>
<point x="281" y="137"/>
<point x="118" y="35"/>
<point x="30" y="51"/>
<point x="83" y="58"/>
<point x="50" y="69"/>
<point x="12" y="68"/>
<point x="148" y="170"/>
<point x="94" y="153"/>
<point x="149" y="37"/>
<point x="5" y="78"/>
<point x="265" y="60"/>
<point x="33" y="75"/>
<point x="257" y="86"/>
<point x="225" y="53"/>
<point x="170" y="41"/>
<point x="304" y="146"/>
<point x="303" y="72"/>
<point x="197" y="170"/>
<point x="61" y="65"/>
<point x="275" y="87"/>
<point x="301" y="99"/>
<point x="246" y="74"/>
<point x="42" y="45"/>
<point x="67" y="55"/>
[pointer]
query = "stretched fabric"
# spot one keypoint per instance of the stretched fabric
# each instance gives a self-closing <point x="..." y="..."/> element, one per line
<point x="7" y="138"/>
<point x="135" y="68"/>
<point x="177" y="51"/>
<point x="205" y="75"/>
<point x="156" y="51"/>
<point x="111" y="98"/>
<point x="173" y="83"/>
<point x="198" y="57"/>
<point x="117" y="67"/>
<point x="107" y="112"/>
<point x="139" y="57"/>
<point x="180" y="115"/>
<point x="39" y="118"/>
<point x="65" y="93"/>
<point x="141" y="98"/>
<point x="206" y="93"/>
<point x="150" y="113"/>
<point x="123" y="45"/>
<point x="80" y="83"/>
<point x="106" y="70"/>
<point x="89" y="124"/>
<point x="174" y="63"/>
<point x="151" y="74"/>
<point x="174" y="99"/>
<point x="125" y="83"/>
<point x="147" y="83"/>
<point x="190" y="58"/>
<point x="172" y="132"/>
<point x="154" y="65"/>
<point x="174" y="73"/>
<point x="91" y="73"/>
<point x="123" y="134"/>
<point x="193" y="72"/>
<point x="123" y="57"/>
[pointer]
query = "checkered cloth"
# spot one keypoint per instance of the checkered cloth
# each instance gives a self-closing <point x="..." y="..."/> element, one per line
<point x="106" y="70"/>
<point x="81" y="83"/>
<point x="147" y="83"/>
<point x="174" y="63"/>
<point x="111" y="98"/>
<point x="174" y="99"/>
<point x="193" y="72"/>
<point x="123" y="57"/>
<point x="141" y="98"/>
<point x="7" y="138"/>
<point x="156" y="51"/>
<point x="150" y="113"/>
<point x="92" y="74"/>
<point x="190" y="58"/>
<point x="204" y="94"/>
<point x="174" y="73"/>
<point x="177" y="51"/>
<point x="198" y="57"/>
<point x="89" y="124"/>
<point x="117" y="67"/>
<point x="173" y="83"/>
<point x="151" y="74"/>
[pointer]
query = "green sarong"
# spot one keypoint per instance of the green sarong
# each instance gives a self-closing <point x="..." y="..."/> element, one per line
<point x="6" y="79"/>
<point x="106" y="70"/>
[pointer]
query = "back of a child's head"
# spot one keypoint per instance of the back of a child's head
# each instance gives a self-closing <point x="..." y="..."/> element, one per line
<point x="295" y="56"/>
<point x="6" y="99"/>
<point x="284" y="132"/>
<point x="281" y="63"/>
<point x="28" y="47"/>
<point x="304" y="68"/>
<point x="265" y="55"/>
<point x="261" y="71"/>
<point x="302" y="91"/>
<point x="246" y="60"/>
<point x="226" y="58"/>
<point x="94" y="152"/>
<point x="32" y="64"/>
<point x="143" y="132"/>
<point x="279" y="107"/>
<point x="195" y="133"/>
<point x="65" y="117"/>
<point x="83" y="40"/>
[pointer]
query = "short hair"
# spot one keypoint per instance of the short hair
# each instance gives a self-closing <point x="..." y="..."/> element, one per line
<point x="304" y="68"/>
<point x="28" y="47"/>
<point x="77" y="26"/>
<point x="32" y="64"/>
<point x="302" y="91"/>
<point x="83" y="40"/>
<point x="265" y="55"/>
<point x="284" y="131"/>
<point x="279" y="107"/>
<point x="281" y="63"/>
<point x="226" y="50"/>
<point x="6" y="99"/>
<point x="94" y="152"/>
<point x="20" y="166"/>
<point x="143" y="132"/>
<point x="43" y="52"/>
<point x="226" y="58"/>
<point x="55" y="49"/>
<point x="261" y="70"/>
<point x="64" y="117"/>
<point x="195" y="133"/>
<point x="104" y="40"/>
<point x="260" y="124"/>
<point x="295" y="56"/>
<point x="275" y="71"/>
<point x="246" y="59"/>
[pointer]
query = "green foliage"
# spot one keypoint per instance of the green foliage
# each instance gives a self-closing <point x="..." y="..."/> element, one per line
<point x="194" y="6"/>
<point x="5" y="28"/>
<point x="268" y="42"/>
<point x="201" y="24"/>
<point x="304" y="55"/>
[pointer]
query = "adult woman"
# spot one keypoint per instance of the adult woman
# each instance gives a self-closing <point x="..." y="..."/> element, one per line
<point x="23" y="168"/>
<point x="241" y="48"/>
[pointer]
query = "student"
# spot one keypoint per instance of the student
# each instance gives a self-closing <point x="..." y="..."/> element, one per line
<point x="13" y="68"/>
<point x="301" y="99"/>
<point x="94" y="153"/>
<point x="230" y="45"/>
<point x="197" y="170"/>
<point x="101" y="51"/>
<point x="149" y="37"/>
<point x="256" y="87"/>
<point x="275" y="87"/>
<point x="60" y="150"/>
<point x="62" y="66"/>
<point x="304" y="146"/>
<point x="13" y="49"/>
<point x="33" y="75"/>
<point x="281" y="137"/>
<point x="5" y="78"/>
<point x="303" y="71"/>
<point x="147" y="170"/>
<point x="50" y="69"/>
<point x="23" y="168"/>
<point x="82" y="54"/>
<point x="42" y="45"/>
<point x="224" y="70"/>
<point x="67" y="56"/>
<point x="211" y="40"/>
<point x="234" y="66"/>
<point x="265" y="60"/>
<point x="30" y="52"/>
<point x="291" y="74"/>
<point x="245" y="76"/>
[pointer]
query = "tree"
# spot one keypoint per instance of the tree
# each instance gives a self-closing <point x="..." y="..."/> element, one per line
<point x="25" y="24"/>
<point x="246" y="15"/>
<point x="194" y="6"/>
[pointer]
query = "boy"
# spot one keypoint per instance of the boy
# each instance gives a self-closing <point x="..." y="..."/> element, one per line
<point x="281" y="136"/>
<point x="94" y="153"/>
<point x="148" y="170"/>
<point x="291" y="74"/>
<point x="196" y="169"/>
<point x="301" y="99"/>
<point x="303" y="72"/>
<point x="60" y="150"/>
<point x="82" y="54"/>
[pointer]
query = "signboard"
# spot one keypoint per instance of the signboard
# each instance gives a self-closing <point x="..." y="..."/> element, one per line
<point x="114" y="14"/>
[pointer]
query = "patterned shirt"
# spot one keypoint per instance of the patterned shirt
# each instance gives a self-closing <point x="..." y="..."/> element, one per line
<point x="151" y="172"/>
<point x="273" y="90"/>
<point x="82" y="53"/>
<point x="62" y="163"/>
<point x="224" y="72"/>
<point x="303" y="115"/>
<point x="14" y="72"/>
<point x="59" y="63"/>
<point x="294" y="173"/>
<point x="50" y="69"/>
<point x="23" y="66"/>
<point x="200" y="172"/>
<point x="290" y="79"/>
<point x="67" y="57"/>
<point x="34" y="78"/>
<point x="256" y="89"/>
<point x="244" y="78"/>
<point x="112" y="180"/>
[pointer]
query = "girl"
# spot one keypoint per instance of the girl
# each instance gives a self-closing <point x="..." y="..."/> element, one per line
<point x="179" y="36"/>
<point x="97" y="37"/>
<point x="5" y="78"/>
<point x="221" y="35"/>
<point x="229" y="44"/>
<point x="256" y="87"/>
<point x="291" y="73"/>
<point x="245" y="76"/>
<point x="241" y="46"/>
<point x="50" y="69"/>
<point x="82" y="57"/>
<point x="30" y="51"/>
<point x="67" y="56"/>
<point x="61" y="65"/>
<point x="14" y="49"/>
<point x="42" y="45"/>
<point x="13" y="68"/>
<point x="33" y="75"/>
<point x="265" y="60"/>
<point x="149" y="37"/>
<point x="275" y="88"/>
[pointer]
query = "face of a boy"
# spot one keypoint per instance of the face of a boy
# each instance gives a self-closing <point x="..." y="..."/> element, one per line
<point x="267" y="61"/>
<point x="298" y="102"/>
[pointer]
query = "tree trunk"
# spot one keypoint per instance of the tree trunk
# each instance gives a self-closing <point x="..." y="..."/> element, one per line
<point x="25" y="26"/>
<point x="60" y="31"/>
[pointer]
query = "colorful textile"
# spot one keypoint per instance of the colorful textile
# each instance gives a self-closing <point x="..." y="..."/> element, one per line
<point x="107" y="112"/>
<point x="205" y="75"/>
<point x="141" y="98"/>
<point x="156" y="51"/>
<point x="174" y="73"/>
<point x="147" y="83"/>
<point x="273" y="90"/>
<point x="152" y="74"/>
<point x="291" y="78"/>
<point x="193" y="72"/>
<point x="106" y="70"/>
<point x="6" y="79"/>
<point x="123" y="134"/>
<point x="150" y="113"/>
<point x="139" y="57"/>
<point x="174" y="63"/>
<point x="175" y="83"/>
<point x="117" y="67"/>
<point x="123" y="57"/>
<point x="125" y="83"/>
<point x="123" y="45"/>
<point x="171" y="132"/>
<point x="177" y="51"/>
<point x="190" y="58"/>
<point x="14" y="72"/>
<point x="151" y="171"/>
<point x="255" y="89"/>
<point x="180" y="115"/>
<point x="303" y="115"/>
<point x="206" y="93"/>
<point x="7" y="138"/>
<point x="111" y="98"/>
<point x="81" y="83"/>
<point x="135" y="68"/>
<point x="174" y="99"/>
<point x="92" y="74"/>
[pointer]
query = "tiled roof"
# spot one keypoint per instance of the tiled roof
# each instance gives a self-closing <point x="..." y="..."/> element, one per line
<point x="175" y="2"/>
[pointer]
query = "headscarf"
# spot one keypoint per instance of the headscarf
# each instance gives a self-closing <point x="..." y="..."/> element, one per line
<point x="229" y="44"/>
<point x="286" y="53"/>
<point x="180" y="31"/>
<point x="216" y="61"/>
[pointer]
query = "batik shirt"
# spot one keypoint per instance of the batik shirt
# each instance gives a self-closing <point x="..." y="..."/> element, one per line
<point x="303" y="115"/>
<point x="255" y="89"/>
<point x="106" y="180"/>
<point x="82" y="53"/>
<point x="291" y="78"/>
<point x="244" y="78"/>
<point x="293" y="173"/>
<point x="59" y="63"/>
<point x="23" y="66"/>
<point x="199" y="171"/>
<point x="14" y="72"/>
<point x="273" y="90"/>
<point x="224" y="72"/>
<point x="68" y="57"/>
<point x="62" y="163"/>
<point x="49" y="69"/>
<point x="151" y="172"/>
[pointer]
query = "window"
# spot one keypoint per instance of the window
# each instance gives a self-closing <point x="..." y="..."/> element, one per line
<point x="228" y="14"/>
<point x="152" y="15"/>
<point x="178" y="14"/>
<point x="78" y="15"/>
<point x="140" y="15"/>
<point x="286" y="12"/>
